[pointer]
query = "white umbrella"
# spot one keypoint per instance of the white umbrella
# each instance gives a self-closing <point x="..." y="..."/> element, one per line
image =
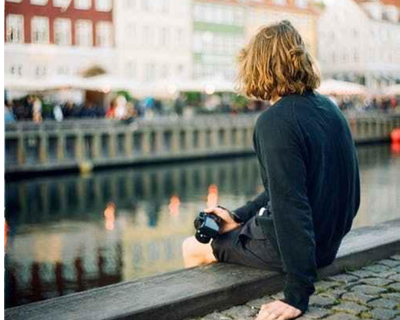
<point x="25" y="84"/>
<point x="332" y="86"/>
<point x="393" y="90"/>
<point x="108" y="83"/>
<point x="51" y="83"/>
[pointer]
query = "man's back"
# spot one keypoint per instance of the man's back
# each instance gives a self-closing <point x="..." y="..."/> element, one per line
<point x="333" y="182"/>
<point x="309" y="169"/>
<point x="330" y="164"/>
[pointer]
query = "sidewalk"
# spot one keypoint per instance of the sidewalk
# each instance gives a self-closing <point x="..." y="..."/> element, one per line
<point x="372" y="292"/>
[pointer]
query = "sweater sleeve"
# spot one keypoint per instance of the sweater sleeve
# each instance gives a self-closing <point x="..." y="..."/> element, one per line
<point x="282" y="152"/>
<point x="251" y="207"/>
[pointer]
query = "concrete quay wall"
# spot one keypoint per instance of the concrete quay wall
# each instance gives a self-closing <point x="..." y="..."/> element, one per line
<point x="87" y="144"/>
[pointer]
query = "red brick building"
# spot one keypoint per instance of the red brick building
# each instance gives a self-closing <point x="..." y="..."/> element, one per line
<point x="57" y="37"/>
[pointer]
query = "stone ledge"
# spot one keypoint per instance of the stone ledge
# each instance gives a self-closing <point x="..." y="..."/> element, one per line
<point x="199" y="291"/>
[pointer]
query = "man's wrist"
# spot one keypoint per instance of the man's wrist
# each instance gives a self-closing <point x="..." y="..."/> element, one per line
<point x="232" y="215"/>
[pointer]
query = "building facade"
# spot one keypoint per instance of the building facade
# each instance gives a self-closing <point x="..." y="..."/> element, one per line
<point x="50" y="38"/>
<point x="153" y="39"/>
<point x="303" y="17"/>
<point x="359" y="41"/>
<point x="218" y="34"/>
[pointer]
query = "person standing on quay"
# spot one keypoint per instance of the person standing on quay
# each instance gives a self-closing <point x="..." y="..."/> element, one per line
<point x="309" y="169"/>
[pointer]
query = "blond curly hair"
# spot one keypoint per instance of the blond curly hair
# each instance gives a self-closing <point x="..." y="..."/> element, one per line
<point x="275" y="63"/>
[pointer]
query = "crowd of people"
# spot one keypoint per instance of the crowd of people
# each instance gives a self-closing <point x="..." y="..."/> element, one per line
<point x="382" y="104"/>
<point x="37" y="109"/>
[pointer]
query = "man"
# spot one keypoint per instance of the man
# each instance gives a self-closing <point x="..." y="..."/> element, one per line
<point x="309" y="168"/>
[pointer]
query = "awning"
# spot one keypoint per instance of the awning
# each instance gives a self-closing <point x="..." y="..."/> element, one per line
<point x="393" y="90"/>
<point x="338" y="87"/>
<point x="104" y="83"/>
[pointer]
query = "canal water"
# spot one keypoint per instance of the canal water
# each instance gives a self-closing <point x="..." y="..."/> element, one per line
<point x="66" y="234"/>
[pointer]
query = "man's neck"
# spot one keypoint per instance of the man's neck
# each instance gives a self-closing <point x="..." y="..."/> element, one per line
<point x="274" y="100"/>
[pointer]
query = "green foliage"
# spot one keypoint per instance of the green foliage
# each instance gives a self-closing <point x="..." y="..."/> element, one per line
<point x="192" y="98"/>
<point x="239" y="101"/>
<point x="126" y="94"/>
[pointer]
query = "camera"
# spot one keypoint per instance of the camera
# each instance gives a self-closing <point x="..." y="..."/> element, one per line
<point x="207" y="226"/>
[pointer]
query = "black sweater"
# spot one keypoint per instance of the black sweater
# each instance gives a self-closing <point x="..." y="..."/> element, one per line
<point x="309" y="168"/>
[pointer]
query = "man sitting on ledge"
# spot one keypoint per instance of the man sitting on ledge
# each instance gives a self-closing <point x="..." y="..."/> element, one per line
<point x="309" y="169"/>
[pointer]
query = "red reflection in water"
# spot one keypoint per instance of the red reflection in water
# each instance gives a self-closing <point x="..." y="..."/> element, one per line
<point x="212" y="197"/>
<point x="395" y="135"/>
<point x="6" y="229"/>
<point x="174" y="206"/>
<point x="109" y="214"/>
<point x="395" y="148"/>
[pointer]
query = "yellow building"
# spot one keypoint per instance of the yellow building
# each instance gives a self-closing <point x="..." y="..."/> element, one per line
<point x="299" y="12"/>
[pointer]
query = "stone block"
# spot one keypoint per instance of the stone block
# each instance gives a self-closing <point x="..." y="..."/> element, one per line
<point x="256" y="304"/>
<point x="315" y="313"/>
<point x="395" y="287"/>
<point x="358" y="297"/>
<point x="392" y="296"/>
<point x="384" y="304"/>
<point x="395" y="277"/>
<point x="350" y="307"/>
<point x="325" y="285"/>
<point x="378" y="282"/>
<point x="362" y="273"/>
<point x="390" y="263"/>
<point x="376" y="268"/>
<point x="367" y="289"/>
<point x="241" y="312"/>
<point x="320" y="301"/>
<point x="342" y="316"/>
<point x="334" y="294"/>
<point x="383" y="314"/>
<point x="344" y="278"/>
<point x="215" y="316"/>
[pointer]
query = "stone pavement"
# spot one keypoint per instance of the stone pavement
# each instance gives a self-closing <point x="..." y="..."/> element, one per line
<point x="372" y="292"/>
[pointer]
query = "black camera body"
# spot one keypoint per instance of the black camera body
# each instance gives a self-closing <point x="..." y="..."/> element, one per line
<point x="207" y="226"/>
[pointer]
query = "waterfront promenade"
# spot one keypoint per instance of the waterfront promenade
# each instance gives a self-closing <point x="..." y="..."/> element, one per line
<point x="371" y="292"/>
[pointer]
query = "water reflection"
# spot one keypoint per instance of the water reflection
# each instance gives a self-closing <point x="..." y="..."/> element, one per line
<point x="71" y="233"/>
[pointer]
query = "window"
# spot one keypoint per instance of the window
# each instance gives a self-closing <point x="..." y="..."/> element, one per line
<point x="146" y="5"/>
<point x="63" y="70"/>
<point x="15" y="28"/>
<point x="16" y="70"/>
<point x="130" y="69"/>
<point x="164" y="37"/>
<point x="180" y="36"/>
<point x="103" y="5"/>
<point x="39" y="2"/>
<point x="179" y="69"/>
<point x="61" y="3"/>
<point x="301" y="3"/>
<point x="62" y="32"/>
<point x="130" y="4"/>
<point x="149" y="71"/>
<point x="148" y="36"/>
<point x="40" y="30"/>
<point x="104" y="34"/>
<point x="164" y="6"/>
<point x="40" y="71"/>
<point x="84" y="33"/>
<point x="164" y="71"/>
<point x="83" y="4"/>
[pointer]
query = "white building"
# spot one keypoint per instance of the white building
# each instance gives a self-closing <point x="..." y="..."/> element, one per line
<point x="153" y="40"/>
<point x="360" y="41"/>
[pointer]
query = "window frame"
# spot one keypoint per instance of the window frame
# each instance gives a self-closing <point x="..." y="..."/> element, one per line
<point x="21" y="32"/>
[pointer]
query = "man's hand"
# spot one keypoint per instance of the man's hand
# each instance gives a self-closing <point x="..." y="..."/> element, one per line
<point x="228" y="223"/>
<point x="277" y="310"/>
